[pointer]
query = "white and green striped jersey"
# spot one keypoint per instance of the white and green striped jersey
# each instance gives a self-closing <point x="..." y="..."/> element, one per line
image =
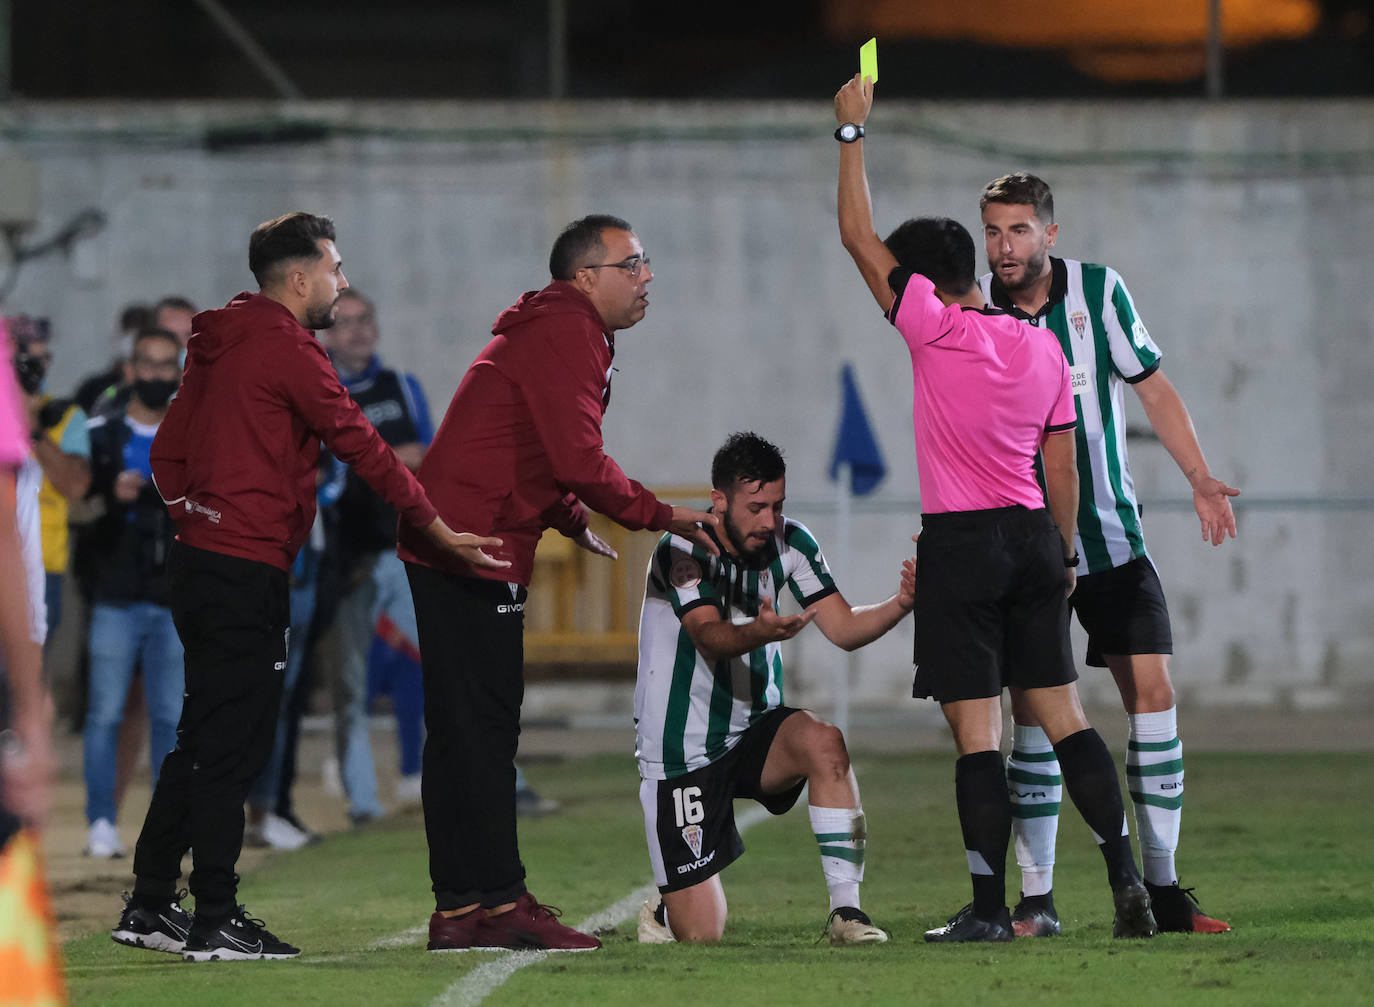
<point x="1107" y="346"/>
<point x="688" y="711"/>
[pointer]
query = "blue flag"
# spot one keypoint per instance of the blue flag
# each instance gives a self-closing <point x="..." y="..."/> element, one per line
<point x="855" y="444"/>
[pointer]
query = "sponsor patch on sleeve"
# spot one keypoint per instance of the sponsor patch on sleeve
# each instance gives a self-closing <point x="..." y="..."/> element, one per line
<point x="686" y="572"/>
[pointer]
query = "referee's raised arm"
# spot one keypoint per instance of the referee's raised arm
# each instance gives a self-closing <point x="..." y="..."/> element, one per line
<point x="875" y="262"/>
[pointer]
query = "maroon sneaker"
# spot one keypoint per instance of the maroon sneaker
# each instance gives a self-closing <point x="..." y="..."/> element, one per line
<point x="530" y="927"/>
<point x="454" y="933"/>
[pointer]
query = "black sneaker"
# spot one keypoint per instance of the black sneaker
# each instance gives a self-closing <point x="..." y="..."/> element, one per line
<point x="163" y="928"/>
<point x="1133" y="915"/>
<point x="1177" y="911"/>
<point x="1034" y="916"/>
<point x="964" y="926"/>
<point x="237" y="937"/>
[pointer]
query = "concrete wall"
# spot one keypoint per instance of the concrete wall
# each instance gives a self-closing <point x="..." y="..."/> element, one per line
<point x="1239" y="227"/>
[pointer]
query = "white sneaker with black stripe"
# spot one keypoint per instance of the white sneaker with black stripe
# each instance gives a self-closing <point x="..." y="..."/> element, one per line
<point x="238" y="937"/>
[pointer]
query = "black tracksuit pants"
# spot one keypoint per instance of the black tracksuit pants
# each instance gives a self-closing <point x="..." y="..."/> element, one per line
<point x="232" y="616"/>
<point x="472" y="656"/>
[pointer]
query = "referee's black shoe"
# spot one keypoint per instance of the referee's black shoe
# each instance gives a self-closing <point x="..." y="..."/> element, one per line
<point x="160" y="926"/>
<point x="965" y="927"/>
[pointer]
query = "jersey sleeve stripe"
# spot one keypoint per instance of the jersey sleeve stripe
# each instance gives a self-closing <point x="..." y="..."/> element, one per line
<point x="1143" y="374"/>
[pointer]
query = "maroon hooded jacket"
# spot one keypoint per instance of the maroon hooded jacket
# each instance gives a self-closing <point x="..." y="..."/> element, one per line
<point x="235" y="457"/>
<point x="520" y="445"/>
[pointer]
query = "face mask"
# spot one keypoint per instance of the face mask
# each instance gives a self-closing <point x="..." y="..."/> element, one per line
<point x="155" y="393"/>
<point x="31" y="370"/>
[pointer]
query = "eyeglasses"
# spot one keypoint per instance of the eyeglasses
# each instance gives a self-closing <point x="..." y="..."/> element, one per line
<point x="631" y="265"/>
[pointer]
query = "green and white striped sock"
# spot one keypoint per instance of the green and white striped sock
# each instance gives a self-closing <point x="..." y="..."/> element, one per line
<point x="1154" y="771"/>
<point x="1036" y="789"/>
<point x="841" y="834"/>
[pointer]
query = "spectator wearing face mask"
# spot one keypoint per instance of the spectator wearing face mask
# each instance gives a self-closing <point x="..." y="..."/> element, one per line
<point x="131" y="623"/>
<point x="109" y="389"/>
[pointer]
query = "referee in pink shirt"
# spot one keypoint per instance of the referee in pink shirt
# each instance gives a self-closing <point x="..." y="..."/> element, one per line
<point x="994" y="565"/>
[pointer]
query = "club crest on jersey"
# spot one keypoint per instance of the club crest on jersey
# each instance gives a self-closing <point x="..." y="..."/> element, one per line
<point x="691" y="835"/>
<point x="1079" y="320"/>
<point x="685" y="572"/>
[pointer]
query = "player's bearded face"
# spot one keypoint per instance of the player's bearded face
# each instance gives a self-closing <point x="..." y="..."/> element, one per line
<point x="752" y="548"/>
<point x="1017" y="274"/>
<point x="1017" y="244"/>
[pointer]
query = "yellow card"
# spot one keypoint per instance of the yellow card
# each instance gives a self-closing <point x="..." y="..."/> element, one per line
<point x="868" y="60"/>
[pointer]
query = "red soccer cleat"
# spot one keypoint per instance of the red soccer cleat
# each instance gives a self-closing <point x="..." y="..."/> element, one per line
<point x="1177" y="911"/>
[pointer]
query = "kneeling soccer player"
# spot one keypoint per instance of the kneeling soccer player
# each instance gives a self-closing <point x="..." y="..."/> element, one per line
<point x="711" y="724"/>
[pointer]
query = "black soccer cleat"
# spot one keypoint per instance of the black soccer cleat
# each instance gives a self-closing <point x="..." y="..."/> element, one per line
<point x="964" y="927"/>
<point x="1034" y="916"/>
<point x="237" y="937"/>
<point x="1133" y="915"/>
<point x="1177" y="911"/>
<point x="163" y="928"/>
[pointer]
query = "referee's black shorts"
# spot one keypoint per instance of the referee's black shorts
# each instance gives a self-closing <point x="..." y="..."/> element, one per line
<point x="990" y="605"/>
<point x="1123" y="611"/>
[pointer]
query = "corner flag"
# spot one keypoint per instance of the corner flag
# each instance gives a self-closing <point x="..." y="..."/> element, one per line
<point x="855" y="444"/>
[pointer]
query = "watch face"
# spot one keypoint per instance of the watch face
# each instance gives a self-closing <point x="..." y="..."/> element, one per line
<point x="849" y="131"/>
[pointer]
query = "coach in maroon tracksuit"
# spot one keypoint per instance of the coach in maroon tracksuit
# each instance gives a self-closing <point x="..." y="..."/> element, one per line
<point x="519" y="451"/>
<point x="235" y="459"/>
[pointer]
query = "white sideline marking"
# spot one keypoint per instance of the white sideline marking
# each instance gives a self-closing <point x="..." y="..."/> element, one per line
<point x="402" y="940"/>
<point x="488" y="977"/>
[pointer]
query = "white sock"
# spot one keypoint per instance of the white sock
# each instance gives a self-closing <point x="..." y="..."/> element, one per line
<point x="1036" y="789"/>
<point x="842" y="835"/>
<point x="1154" y="772"/>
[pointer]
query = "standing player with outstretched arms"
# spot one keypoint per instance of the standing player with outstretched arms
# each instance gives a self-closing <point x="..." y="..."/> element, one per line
<point x="994" y="563"/>
<point x="1119" y="600"/>
<point x="519" y="450"/>
<point x="709" y="716"/>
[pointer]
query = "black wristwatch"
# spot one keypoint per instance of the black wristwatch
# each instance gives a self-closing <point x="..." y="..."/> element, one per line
<point x="849" y="132"/>
<point x="1071" y="561"/>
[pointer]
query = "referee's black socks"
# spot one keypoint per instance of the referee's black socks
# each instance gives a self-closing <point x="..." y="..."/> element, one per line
<point x="980" y="787"/>
<point x="1090" y="778"/>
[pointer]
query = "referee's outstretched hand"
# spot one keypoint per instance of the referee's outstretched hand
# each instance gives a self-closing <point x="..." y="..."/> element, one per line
<point x="465" y="545"/>
<point x="687" y="524"/>
<point x="854" y="101"/>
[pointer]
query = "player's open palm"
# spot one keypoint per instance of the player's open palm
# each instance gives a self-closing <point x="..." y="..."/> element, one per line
<point x="772" y="625"/>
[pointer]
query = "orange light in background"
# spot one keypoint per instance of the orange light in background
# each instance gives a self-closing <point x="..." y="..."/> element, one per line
<point x="1119" y="40"/>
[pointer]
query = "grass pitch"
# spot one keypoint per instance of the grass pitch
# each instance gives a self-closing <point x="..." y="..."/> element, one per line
<point x="1277" y="845"/>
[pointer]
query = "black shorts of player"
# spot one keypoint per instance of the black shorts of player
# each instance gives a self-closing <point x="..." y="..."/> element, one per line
<point x="1123" y="611"/>
<point x="693" y="824"/>
<point x="990" y="605"/>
